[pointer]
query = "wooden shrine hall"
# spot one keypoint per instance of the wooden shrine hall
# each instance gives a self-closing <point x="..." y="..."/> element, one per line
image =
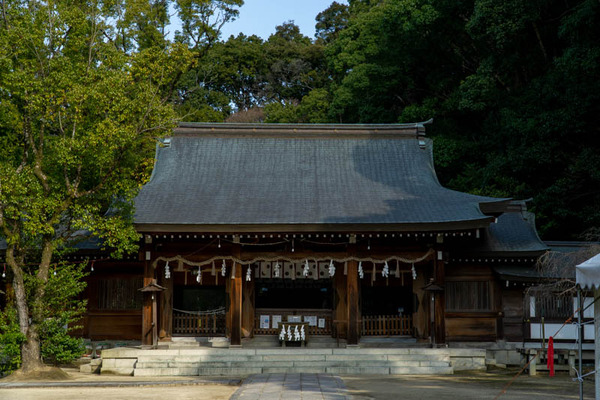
<point x="342" y="229"/>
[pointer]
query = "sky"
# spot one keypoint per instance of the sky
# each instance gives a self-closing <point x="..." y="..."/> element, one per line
<point x="260" y="17"/>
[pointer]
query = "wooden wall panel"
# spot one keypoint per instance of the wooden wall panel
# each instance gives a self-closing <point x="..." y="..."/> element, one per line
<point x="513" y="314"/>
<point x="115" y="326"/>
<point x="471" y="328"/>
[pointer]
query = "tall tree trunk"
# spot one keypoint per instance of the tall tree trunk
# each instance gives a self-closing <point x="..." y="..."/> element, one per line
<point x="30" y="317"/>
<point x="30" y="349"/>
<point x="31" y="356"/>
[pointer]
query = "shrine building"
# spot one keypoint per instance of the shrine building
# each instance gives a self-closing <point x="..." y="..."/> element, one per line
<point x="344" y="228"/>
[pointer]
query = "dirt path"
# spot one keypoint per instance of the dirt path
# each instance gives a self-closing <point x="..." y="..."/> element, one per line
<point x="469" y="386"/>
<point x="196" y="392"/>
<point x="463" y="386"/>
<point x="122" y="387"/>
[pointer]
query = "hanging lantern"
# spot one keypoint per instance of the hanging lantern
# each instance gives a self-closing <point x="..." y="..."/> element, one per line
<point x="92" y="269"/>
<point x="4" y="271"/>
<point x="361" y="273"/>
<point x="167" y="271"/>
<point x="331" y="268"/>
<point x="223" y="268"/>
<point x="249" y="274"/>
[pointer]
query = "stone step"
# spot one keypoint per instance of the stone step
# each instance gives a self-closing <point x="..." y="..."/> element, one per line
<point x="422" y="370"/>
<point x="196" y="371"/>
<point x="93" y="367"/>
<point x="245" y="361"/>
<point x="290" y="364"/>
<point x="225" y="358"/>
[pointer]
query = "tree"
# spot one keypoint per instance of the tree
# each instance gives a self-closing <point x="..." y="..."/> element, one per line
<point x="511" y="86"/>
<point x="331" y="21"/>
<point x="79" y="117"/>
<point x="294" y="64"/>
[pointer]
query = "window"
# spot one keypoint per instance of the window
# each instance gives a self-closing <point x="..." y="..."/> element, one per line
<point x="553" y="306"/>
<point x="120" y="294"/>
<point x="468" y="296"/>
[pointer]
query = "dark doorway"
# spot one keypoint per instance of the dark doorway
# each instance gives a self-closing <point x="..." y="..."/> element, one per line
<point x="193" y="298"/>
<point x="299" y="293"/>
<point x="382" y="300"/>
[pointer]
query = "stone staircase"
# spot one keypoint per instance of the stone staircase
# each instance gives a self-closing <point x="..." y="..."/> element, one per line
<point x="247" y="361"/>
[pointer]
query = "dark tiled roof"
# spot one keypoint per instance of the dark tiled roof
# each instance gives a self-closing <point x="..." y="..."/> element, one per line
<point x="255" y="176"/>
<point x="520" y="272"/>
<point x="569" y="246"/>
<point x="513" y="233"/>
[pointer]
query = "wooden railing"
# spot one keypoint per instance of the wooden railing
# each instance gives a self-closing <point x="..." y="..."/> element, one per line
<point x="284" y="313"/>
<point x="190" y="324"/>
<point x="386" y="325"/>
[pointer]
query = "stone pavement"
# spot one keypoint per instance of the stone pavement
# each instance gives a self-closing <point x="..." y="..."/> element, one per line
<point x="292" y="387"/>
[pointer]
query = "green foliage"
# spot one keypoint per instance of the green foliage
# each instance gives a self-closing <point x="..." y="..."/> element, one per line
<point x="62" y="310"/>
<point x="312" y="109"/>
<point x="331" y="21"/>
<point x="58" y="347"/>
<point x="511" y="86"/>
<point x="10" y="341"/>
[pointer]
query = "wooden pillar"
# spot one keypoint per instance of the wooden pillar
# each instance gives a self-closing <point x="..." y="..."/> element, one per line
<point x="166" y="308"/>
<point x="440" y="299"/>
<point x="227" y="306"/>
<point x="352" y="303"/>
<point x="147" y="302"/>
<point x="340" y="313"/>
<point x="248" y="306"/>
<point x="235" y="297"/>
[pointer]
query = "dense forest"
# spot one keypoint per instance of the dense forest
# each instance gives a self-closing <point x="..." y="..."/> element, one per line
<point x="513" y="87"/>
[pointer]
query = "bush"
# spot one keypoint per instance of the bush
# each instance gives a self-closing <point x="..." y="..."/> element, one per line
<point x="62" y="311"/>
<point x="58" y="347"/>
<point x="10" y="341"/>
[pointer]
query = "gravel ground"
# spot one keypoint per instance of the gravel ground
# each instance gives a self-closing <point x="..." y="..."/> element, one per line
<point x="461" y="386"/>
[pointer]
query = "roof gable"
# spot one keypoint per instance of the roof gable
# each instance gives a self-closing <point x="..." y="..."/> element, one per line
<point x="340" y="175"/>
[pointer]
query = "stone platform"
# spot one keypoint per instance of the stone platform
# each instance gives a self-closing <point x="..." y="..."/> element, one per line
<point x="248" y="361"/>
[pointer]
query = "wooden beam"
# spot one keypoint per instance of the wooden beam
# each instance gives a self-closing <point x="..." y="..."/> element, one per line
<point x="147" y="306"/>
<point x="166" y="308"/>
<point x="235" y="296"/>
<point x="440" y="300"/>
<point x="340" y="312"/>
<point x="248" y="306"/>
<point x="352" y="302"/>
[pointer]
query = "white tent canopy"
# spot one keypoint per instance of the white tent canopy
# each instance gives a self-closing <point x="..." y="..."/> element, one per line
<point x="587" y="276"/>
<point x="588" y="273"/>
